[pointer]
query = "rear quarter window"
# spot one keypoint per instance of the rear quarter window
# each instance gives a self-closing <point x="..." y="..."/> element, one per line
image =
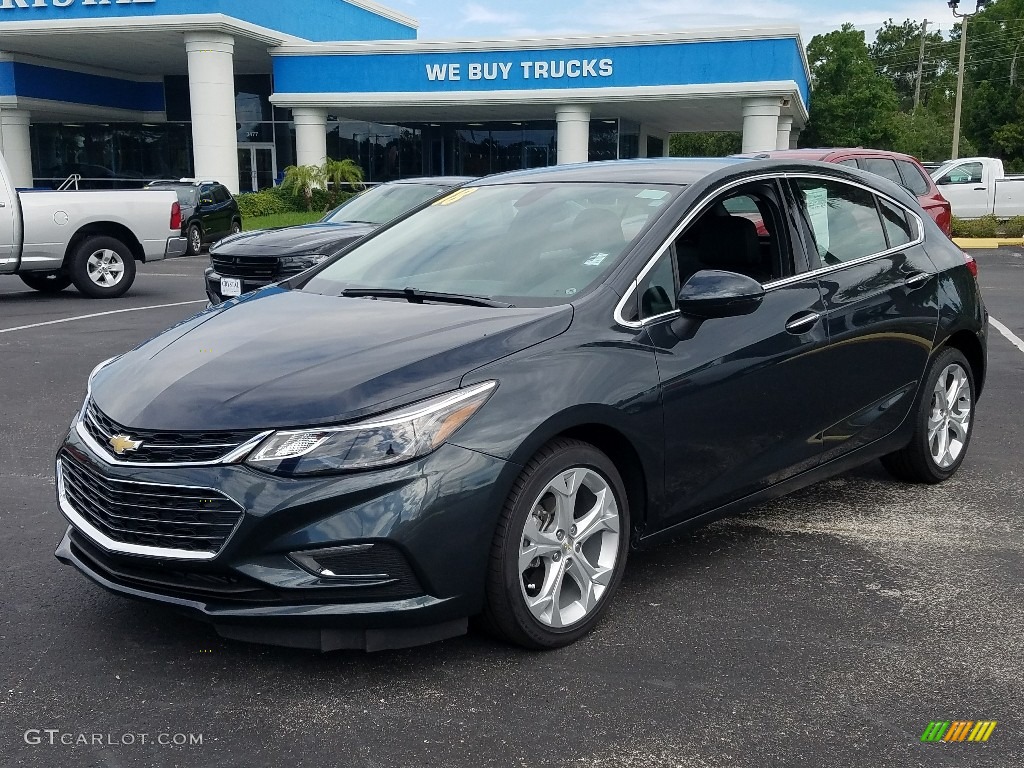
<point x="913" y="178"/>
<point x="883" y="166"/>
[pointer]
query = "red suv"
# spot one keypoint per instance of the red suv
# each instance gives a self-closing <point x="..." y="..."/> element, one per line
<point x="903" y="169"/>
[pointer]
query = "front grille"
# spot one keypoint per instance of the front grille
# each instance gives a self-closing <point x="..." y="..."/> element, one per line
<point x="149" y="515"/>
<point x="256" y="267"/>
<point x="164" y="447"/>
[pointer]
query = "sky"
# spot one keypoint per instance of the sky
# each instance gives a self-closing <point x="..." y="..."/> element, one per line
<point x="471" y="19"/>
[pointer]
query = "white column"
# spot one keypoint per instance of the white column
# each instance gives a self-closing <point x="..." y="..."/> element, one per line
<point x="16" y="144"/>
<point x="573" y="133"/>
<point x="784" y="133"/>
<point x="760" y="124"/>
<point x="310" y="135"/>
<point x="794" y="139"/>
<point x="211" y="81"/>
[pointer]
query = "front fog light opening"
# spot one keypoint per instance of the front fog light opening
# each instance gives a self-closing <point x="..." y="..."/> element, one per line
<point x="361" y="565"/>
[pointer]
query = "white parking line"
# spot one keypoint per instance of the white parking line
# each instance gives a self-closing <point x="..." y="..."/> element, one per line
<point x="1010" y="335"/>
<point x="100" y="314"/>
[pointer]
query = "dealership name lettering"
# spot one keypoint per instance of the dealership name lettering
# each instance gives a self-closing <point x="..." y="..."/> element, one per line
<point x="532" y="70"/>
<point x="10" y="5"/>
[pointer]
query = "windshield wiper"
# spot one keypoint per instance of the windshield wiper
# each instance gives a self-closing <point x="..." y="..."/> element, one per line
<point x="416" y="296"/>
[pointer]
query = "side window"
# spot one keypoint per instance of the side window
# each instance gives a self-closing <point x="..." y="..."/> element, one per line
<point x="657" y="291"/>
<point x="221" y="194"/>
<point x="850" y="161"/>
<point x="744" y="231"/>
<point x="968" y="173"/>
<point x="844" y="220"/>
<point x="913" y="178"/>
<point x="882" y="166"/>
<point x="206" y="193"/>
<point x="897" y="224"/>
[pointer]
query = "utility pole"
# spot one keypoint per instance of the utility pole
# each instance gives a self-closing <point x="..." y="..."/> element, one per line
<point x="959" y="88"/>
<point x="953" y="4"/>
<point x="920" y="65"/>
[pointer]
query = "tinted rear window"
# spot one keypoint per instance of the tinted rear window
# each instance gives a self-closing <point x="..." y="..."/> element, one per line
<point x="913" y="178"/>
<point x="882" y="166"/>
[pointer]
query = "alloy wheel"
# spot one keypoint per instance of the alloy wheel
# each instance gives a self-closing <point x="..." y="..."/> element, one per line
<point x="195" y="239"/>
<point x="105" y="268"/>
<point x="950" y="417"/>
<point x="569" y="547"/>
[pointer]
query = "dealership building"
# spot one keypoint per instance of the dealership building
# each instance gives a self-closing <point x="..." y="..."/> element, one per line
<point x="121" y="91"/>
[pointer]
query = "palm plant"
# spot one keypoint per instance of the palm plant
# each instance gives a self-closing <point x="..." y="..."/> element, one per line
<point x="341" y="172"/>
<point x="301" y="180"/>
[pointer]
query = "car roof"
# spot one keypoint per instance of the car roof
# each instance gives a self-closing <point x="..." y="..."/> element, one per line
<point x="661" y="170"/>
<point x="823" y="153"/>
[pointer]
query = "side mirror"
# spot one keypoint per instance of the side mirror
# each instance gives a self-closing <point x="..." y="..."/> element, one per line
<point x="712" y="293"/>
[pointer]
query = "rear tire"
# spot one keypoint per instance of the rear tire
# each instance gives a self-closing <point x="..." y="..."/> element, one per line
<point x="194" y="235"/>
<point x="46" y="282"/>
<point x="944" y="421"/>
<point x="236" y="226"/>
<point x="102" y="267"/>
<point x="560" y="548"/>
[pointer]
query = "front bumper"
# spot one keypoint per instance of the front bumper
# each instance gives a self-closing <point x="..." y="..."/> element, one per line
<point x="213" y="290"/>
<point x="176" y="246"/>
<point x="439" y="512"/>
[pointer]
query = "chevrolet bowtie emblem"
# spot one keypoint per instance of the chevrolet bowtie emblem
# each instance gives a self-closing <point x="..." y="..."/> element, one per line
<point x="122" y="444"/>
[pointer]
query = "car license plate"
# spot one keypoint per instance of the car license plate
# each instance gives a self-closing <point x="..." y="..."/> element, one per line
<point x="231" y="286"/>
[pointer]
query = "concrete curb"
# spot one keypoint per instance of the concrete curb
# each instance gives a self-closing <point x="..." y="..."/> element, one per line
<point x="987" y="242"/>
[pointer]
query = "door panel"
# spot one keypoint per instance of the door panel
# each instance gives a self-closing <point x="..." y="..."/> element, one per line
<point x="10" y="235"/>
<point x="246" y="181"/>
<point x="264" y="170"/>
<point x="966" y="190"/>
<point x="880" y="335"/>
<point x="743" y="401"/>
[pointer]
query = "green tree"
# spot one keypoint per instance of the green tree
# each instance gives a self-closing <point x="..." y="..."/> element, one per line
<point x="705" y="144"/>
<point x="852" y="105"/>
<point x="341" y="173"/>
<point x="994" y="91"/>
<point x="301" y="180"/>
<point x="896" y="52"/>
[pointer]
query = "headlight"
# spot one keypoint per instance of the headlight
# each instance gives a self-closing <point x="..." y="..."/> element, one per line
<point x="299" y="263"/>
<point x="380" y="441"/>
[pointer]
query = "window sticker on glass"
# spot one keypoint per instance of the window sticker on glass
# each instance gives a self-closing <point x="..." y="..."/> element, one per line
<point x="595" y="260"/>
<point x="817" y="211"/>
<point x="652" y="194"/>
<point x="457" y="195"/>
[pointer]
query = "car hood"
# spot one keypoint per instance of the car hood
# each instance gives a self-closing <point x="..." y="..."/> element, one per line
<point x="293" y="241"/>
<point x="282" y="358"/>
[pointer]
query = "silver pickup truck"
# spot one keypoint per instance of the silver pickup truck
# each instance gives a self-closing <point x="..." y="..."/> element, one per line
<point x="90" y="238"/>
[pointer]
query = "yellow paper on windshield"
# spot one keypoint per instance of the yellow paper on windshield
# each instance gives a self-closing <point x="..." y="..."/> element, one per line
<point x="457" y="195"/>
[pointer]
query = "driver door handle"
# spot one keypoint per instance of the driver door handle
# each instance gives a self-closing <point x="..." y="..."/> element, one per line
<point x="802" y="322"/>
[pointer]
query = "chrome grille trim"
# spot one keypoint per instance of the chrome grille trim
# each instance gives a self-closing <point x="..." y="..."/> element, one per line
<point x="233" y="452"/>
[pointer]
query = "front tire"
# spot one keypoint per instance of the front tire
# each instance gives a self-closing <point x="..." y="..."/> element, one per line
<point x="46" y="282"/>
<point x="236" y="226"/>
<point x="944" y="423"/>
<point x="560" y="548"/>
<point x="102" y="267"/>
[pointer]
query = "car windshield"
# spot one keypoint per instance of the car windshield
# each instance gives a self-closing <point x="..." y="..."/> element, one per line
<point x="384" y="203"/>
<point x="529" y="244"/>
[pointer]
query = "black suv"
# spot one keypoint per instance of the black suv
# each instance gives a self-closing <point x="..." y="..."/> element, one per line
<point x="208" y="211"/>
<point x="249" y="261"/>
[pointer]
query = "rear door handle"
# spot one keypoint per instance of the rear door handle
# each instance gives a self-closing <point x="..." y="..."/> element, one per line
<point x="802" y="322"/>
<point x="916" y="281"/>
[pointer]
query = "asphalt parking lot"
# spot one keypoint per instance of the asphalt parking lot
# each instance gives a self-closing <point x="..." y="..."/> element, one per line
<point x="825" y="629"/>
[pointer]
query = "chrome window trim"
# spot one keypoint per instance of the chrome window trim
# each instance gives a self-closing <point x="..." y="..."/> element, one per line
<point x="97" y="536"/>
<point x="783" y="282"/>
<point x="230" y="458"/>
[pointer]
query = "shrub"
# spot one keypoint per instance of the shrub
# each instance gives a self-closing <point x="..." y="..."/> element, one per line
<point x="1015" y="227"/>
<point x="986" y="226"/>
<point x="266" y="203"/>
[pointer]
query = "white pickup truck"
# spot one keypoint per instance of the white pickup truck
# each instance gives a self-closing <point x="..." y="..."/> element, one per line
<point x="90" y="238"/>
<point x="978" y="186"/>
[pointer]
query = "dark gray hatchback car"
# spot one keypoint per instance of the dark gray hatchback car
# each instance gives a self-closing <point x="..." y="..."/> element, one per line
<point x="481" y="408"/>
